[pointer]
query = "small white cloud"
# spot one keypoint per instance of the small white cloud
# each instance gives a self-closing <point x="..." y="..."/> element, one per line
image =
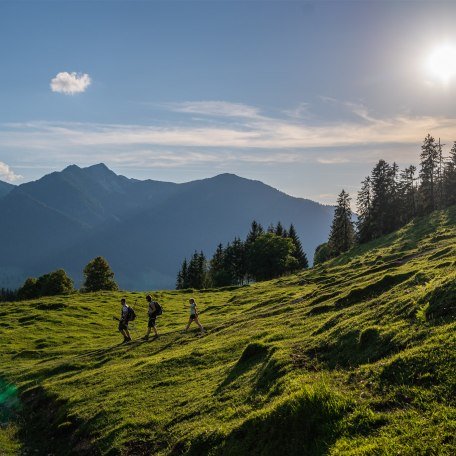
<point x="7" y="174"/>
<point x="70" y="83"/>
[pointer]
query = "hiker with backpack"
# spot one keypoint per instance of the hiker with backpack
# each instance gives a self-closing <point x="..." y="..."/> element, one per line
<point x="194" y="316"/>
<point x="127" y="314"/>
<point x="154" y="310"/>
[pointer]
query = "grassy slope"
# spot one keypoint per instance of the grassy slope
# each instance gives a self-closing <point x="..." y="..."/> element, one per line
<point x="357" y="356"/>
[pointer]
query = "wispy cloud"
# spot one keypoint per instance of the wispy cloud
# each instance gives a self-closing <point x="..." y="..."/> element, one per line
<point x="214" y="109"/>
<point x="70" y="83"/>
<point x="7" y="174"/>
<point x="264" y="134"/>
<point x="332" y="160"/>
<point x="253" y="137"/>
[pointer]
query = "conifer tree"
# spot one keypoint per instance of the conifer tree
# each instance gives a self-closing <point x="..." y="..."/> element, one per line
<point x="218" y="275"/>
<point x="428" y="174"/>
<point x="237" y="259"/>
<point x="440" y="198"/>
<point x="279" y="229"/>
<point x="383" y="198"/>
<point x="450" y="178"/>
<point x="181" y="280"/>
<point x="298" y="252"/>
<point x="394" y="199"/>
<point x="364" y="223"/>
<point x="342" y="236"/>
<point x="255" y="230"/>
<point x="196" y="271"/>
<point x="407" y="190"/>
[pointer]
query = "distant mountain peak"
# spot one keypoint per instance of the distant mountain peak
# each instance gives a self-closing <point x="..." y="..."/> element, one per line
<point x="71" y="168"/>
<point x="98" y="167"/>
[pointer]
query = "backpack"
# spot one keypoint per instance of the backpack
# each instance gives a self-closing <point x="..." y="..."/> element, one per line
<point x="131" y="315"/>
<point x="159" y="308"/>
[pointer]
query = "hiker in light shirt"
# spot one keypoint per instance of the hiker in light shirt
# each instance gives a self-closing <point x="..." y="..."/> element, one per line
<point x="194" y="316"/>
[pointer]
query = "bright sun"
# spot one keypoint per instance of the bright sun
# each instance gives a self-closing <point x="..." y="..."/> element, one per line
<point x="442" y="63"/>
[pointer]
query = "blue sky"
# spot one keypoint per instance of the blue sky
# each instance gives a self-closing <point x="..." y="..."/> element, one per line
<point x="305" y="96"/>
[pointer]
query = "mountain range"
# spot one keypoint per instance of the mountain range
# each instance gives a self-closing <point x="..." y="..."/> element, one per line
<point x="143" y="228"/>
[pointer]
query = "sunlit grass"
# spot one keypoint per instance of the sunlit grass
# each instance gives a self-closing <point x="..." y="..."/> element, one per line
<point x="356" y="356"/>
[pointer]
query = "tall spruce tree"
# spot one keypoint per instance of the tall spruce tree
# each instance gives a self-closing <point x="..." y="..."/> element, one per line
<point x="182" y="276"/>
<point x="298" y="252"/>
<point x="255" y="230"/>
<point x="196" y="271"/>
<point x="429" y="174"/>
<point x="364" y="223"/>
<point x="219" y="276"/>
<point x="342" y="235"/>
<point x="393" y="215"/>
<point x="440" y="197"/>
<point x="279" y="229"/>
<point x="407" y="190"/>
<point x="449" y="181"/>
<point x="237" y="258"/>
<point x="382" y="180"/>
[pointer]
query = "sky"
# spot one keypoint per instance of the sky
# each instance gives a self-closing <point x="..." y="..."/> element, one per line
<point x="304" y="96"/>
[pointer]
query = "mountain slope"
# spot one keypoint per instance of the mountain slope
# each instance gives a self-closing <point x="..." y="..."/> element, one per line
<point x="95" y="195"/>
<point x="5" y="188"/>
<point x="356" y="356"/>
<point x="146" y="250"/>
<point x="143" y="228"/>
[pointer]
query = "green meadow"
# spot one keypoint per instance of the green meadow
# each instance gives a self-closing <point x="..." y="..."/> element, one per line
<point x="354" y="357"/>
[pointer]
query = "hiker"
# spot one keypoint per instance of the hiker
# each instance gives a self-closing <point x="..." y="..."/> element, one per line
<point x="153" y="312"/>
<point x="123" y="320"/>
<point x="194" y="316"/>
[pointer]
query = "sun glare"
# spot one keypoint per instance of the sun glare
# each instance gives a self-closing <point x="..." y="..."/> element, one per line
<point x="442" y="63"/>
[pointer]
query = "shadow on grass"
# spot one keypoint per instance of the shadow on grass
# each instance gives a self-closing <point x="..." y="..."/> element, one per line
<point x="254" y="354"/>
<point x="305" y="424"/>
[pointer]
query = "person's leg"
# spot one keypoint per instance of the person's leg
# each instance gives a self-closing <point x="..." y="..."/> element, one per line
<point x="122" y="330"/>
<point x="151" y="326"/>
<point x="199" y="324"/>
<point x="127" y="334"/>
<point x="189" y="323"/>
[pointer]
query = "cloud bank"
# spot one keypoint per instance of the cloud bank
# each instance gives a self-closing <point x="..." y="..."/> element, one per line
<point x="7" y="174"/>
<point x="70" y="83"/>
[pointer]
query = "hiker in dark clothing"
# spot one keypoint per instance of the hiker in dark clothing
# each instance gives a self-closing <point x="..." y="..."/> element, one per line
<point x="123" y="320"/>
<point x="152" y="311"/>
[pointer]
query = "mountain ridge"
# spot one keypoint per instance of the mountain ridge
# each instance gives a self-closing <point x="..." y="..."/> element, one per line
<point x="128" y="220"/>
<point x="5" y="188"/>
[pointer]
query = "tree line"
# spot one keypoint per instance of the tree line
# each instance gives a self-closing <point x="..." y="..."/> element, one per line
<point x="263" y="255"/>
<point x="389" y="198"/>
<point x="97" y="273"/>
